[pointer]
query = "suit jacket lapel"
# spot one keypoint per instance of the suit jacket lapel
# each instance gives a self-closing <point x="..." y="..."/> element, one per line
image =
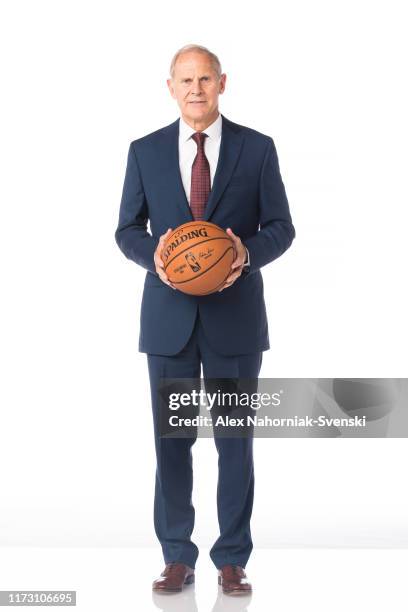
<point x="230" y="148"/>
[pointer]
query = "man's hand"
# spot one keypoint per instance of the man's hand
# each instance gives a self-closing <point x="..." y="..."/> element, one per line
<point x="158" y="262"/>
<point x="238" y="263"/>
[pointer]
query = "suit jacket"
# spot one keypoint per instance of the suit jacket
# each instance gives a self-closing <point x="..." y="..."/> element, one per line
<point x="247" y="195"/>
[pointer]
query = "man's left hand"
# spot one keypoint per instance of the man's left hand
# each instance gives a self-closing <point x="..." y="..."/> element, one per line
<point x="238" y="263"/>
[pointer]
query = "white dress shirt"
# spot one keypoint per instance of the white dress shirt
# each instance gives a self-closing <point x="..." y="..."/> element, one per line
<point x="188" y="151"/>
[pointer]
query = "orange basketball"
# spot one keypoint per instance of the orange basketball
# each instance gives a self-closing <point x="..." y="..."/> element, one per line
<point x="197" y="257"/>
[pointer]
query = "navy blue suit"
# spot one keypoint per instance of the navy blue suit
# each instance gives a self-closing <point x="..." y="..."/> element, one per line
<point x="247" y="195"/>
<point x="225" y="332"/>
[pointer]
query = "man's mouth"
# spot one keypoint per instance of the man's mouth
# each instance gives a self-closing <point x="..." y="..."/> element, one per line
<point x="198" y="102"/>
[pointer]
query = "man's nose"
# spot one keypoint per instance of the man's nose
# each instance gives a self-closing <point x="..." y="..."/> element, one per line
<point x="196" y="87"/>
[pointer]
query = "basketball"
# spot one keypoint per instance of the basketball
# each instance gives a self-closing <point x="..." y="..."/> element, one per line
<point x="197" y="257"/>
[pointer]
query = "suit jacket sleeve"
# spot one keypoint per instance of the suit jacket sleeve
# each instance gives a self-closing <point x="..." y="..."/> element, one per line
<point x="131" y="235"/>
<point x="276" y="231"/>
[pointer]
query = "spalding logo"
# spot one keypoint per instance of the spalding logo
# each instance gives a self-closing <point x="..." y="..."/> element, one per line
<point x="179" y="239"/>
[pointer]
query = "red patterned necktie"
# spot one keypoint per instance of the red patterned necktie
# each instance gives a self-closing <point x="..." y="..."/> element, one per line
<point x="200" y="178"/>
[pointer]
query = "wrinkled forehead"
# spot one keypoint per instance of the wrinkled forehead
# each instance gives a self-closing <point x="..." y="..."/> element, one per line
<point x="192" y="64"/>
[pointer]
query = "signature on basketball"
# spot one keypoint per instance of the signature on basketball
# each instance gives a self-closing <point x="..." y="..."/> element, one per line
<point x="206" y="254"/>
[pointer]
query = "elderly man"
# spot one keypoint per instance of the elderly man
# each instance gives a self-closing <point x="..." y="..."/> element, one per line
<point x="203" y="167"/>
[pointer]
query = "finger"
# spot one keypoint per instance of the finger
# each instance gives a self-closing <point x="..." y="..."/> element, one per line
<point x="166" y="281"/>
<point x="159" y="263"/>
<point x="232" y="278"/>
<point x="237" y="246"/>
<point x="161" y="243"/>
<point x="157" y="255"/>
<point x="163" y="277"/>
<point x="226" y="284"/>
<point x="231" y="234"/>
<point x="237" y="263"/>
<point x="236" y="268"/>
<point x="164" y="237"/>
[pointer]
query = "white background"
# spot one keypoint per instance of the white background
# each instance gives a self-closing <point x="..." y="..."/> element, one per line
<point x="327" y="80"/>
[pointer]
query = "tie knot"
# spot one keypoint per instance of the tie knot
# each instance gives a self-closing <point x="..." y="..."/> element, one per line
<point x="198" y="137"/>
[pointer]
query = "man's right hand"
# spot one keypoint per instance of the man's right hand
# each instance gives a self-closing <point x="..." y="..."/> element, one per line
<point x="158" y="262"/>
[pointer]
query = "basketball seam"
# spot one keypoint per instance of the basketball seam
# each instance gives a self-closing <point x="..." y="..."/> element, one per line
<point x="197" y="223"/>
<point x="193" y="247"/>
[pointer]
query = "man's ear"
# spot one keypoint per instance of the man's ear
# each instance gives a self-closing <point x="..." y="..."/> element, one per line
<point x="223" y="79"/>
<point x="170" y="86"/>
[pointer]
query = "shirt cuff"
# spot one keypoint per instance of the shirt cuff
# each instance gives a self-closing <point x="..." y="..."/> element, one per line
<point x="247" y="262"/>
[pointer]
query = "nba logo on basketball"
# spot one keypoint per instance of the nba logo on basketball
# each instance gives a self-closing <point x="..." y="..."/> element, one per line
<point x="192" y="262"/>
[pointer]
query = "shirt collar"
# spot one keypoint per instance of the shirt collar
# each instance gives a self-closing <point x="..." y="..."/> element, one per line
<point x="213" y="130"/>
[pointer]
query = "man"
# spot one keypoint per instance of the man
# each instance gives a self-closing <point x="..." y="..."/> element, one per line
<point x="203" y="166"/>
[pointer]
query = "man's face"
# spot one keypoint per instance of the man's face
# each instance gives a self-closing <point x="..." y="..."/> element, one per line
<point x="196" y="88"/>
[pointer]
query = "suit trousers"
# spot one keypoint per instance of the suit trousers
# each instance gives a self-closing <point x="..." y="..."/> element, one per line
<point x="173" y="509"/>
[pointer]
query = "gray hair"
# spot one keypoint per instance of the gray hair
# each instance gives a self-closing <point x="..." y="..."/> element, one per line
<point x="198" y="49"/>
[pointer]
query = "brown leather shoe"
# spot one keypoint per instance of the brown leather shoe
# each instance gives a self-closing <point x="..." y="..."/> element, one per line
<point x="233" y="580"/>
<point x="173" y="578"/>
